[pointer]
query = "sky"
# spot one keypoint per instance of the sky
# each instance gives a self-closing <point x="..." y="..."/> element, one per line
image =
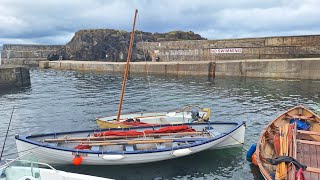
<point x="56" y="21"/>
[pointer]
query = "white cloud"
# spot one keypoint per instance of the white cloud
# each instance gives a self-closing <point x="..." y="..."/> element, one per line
<point x="55" y="21"/>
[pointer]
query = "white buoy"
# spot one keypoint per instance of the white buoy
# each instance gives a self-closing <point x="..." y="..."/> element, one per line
<point x="181" y="152"/>
<point x="112" y="157"/>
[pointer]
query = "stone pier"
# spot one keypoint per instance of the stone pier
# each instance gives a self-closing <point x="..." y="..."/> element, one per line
<point x="14" y="76"/>
<point x="200" y="68"/>
<point x="301" y="68"/>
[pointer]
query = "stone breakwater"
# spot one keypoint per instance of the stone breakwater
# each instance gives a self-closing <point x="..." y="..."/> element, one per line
<point x="283" y="47"/>
<point x="13" y="75"/>
<point x="26" y="54"/>
<point x="304" y="68"/>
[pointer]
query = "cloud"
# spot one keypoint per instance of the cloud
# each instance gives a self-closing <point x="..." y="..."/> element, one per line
<point x="55" y="21"/>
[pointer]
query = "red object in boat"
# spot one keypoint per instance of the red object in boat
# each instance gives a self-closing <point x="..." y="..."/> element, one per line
<point x="171" y="129"/>
<point x="118" y="133"/>
<point x="80" y="146"/>
<point x="276" y="143"/>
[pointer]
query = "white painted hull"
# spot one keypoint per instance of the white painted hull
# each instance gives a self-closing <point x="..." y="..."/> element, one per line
<point x="54" y="156"/>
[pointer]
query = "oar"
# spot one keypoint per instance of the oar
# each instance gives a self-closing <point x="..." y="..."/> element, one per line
<point x="127" y="140"/>
<point x="130" y="142"/>
<point x="123" y="137"/>
<point x="282" y="174"/>
<point x="278" y="169"/>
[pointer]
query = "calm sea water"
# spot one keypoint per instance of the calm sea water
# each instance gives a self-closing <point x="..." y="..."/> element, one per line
<point x="68" y="100"/>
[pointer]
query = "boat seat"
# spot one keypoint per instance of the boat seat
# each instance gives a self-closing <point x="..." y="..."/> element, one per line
<point x="129" y="148"/>
<point x="95" y="148"/>
<point x="160" y="146"/>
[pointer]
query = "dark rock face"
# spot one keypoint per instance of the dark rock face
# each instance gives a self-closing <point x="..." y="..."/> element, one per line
<point x="112" y="45"/>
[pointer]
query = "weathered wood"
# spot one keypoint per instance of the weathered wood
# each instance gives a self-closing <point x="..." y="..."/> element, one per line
<point x="313" y="156"/>
<point x="309" y="132"/>
<point x="130" y="142"/>
<point x="309" y="142"/>
<point x="311" y="118"/>
<point x="127" y="65"/>
<point x="123" y="137"/>
<point x="312" y="169"/>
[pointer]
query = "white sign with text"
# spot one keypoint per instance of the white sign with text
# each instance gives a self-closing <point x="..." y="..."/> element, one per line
<point x="228" y="50"/>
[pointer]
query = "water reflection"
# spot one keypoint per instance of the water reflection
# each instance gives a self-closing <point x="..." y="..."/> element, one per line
<point x="68" y="100"/>
<point x="213" y="163"/>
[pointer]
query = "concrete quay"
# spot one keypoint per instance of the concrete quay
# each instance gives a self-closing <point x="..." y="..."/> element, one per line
<point x="201" y="68"/>
<point x="14" y="76"/>
<point x="302" y="68"/>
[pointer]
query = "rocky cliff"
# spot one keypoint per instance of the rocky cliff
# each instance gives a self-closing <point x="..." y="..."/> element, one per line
<point x="112" y="45"/>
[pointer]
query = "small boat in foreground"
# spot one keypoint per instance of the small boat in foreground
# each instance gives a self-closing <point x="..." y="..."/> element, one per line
<point x="26" y="167"/>
<point x="187" y="114"/>
<point x="289" y="147"/>
<point x="131" y="145"/>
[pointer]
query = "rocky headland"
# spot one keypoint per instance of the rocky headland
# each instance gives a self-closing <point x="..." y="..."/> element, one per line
<point x="112" y="45"/>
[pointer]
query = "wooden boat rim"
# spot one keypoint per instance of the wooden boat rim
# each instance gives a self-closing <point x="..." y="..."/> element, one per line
<point x="262" y="169"/>
<point x="46" y="145"/>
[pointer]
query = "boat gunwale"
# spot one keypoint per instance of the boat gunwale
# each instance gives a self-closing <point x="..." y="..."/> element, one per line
<point x="45" y="145"/>
<point x="263" y="170"/>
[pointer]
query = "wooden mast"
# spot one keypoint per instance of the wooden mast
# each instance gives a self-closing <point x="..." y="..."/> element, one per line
<point x="127" y="66"/>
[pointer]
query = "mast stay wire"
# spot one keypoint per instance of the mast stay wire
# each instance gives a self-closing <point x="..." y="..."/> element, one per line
<point x="145" y="60"/>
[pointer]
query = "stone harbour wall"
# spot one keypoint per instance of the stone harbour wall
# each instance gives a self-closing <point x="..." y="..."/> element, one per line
<point x="26" y="54"/>
<point x="283" y="47"/>
<point x="14" y="76"/>
<point x="302" y="68"/>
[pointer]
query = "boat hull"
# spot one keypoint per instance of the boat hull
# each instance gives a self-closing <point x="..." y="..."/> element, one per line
<point x="266" y="143"/>
<point x="56" y="156"/>
<point x="153" y="118"/>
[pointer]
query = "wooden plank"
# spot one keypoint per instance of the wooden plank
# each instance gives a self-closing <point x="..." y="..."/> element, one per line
<point x="130" y="142"/>
<point x="313" y="161"/>
<point x="122" y="137"/>
<point x="294" y="141"/>
<point x="309" y="142"/>
<point x="313" y="169"/>
<point x="306" y="157"/>
<point x="309" y="132"/>
<point x="318" y="159"/>
<point x="311" y="118"/>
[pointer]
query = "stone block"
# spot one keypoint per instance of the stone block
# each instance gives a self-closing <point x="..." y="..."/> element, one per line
<point x="12" y="75"/>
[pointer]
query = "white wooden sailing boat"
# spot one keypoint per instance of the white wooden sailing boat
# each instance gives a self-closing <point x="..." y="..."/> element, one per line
<point x="187" y="114"/>
<point x="132" y="145"/>
<point x="26" y="167"/>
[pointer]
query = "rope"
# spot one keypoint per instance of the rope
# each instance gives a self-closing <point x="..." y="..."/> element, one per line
<point x="145" y="59"/>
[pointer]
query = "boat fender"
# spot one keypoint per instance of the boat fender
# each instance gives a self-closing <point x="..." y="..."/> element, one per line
<point x="112" y="157"/>
<point x="254" y="159"/>
<point x="181" y="152"/>
<point x="77" y="160"/>
<point x="251" y="151"/>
